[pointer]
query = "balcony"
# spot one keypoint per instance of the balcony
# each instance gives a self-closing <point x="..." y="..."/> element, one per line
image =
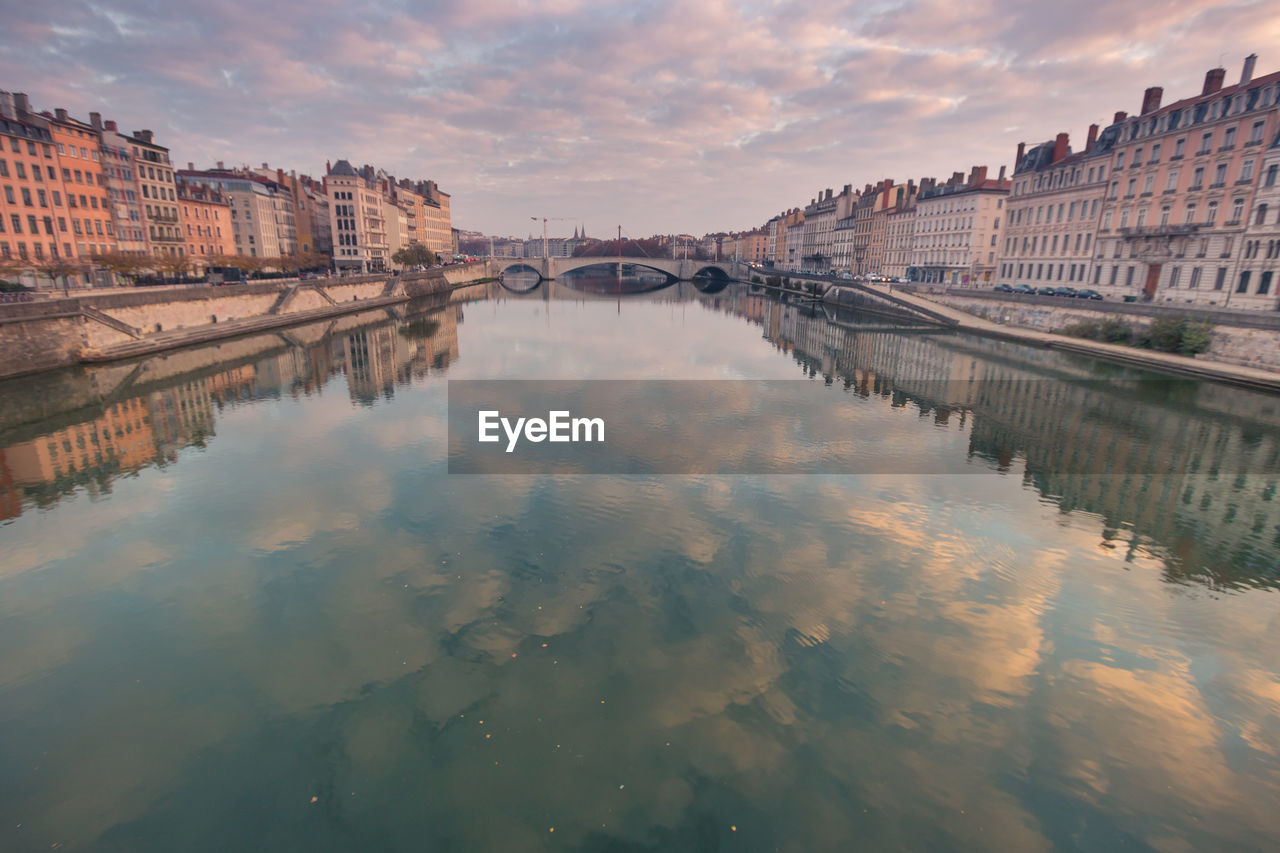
<point x="1244" y="182"/>
<point x="1228" y="147"/>
<point x="1158" y="230"/>
<point x="1175" y="158"/>
<point x="1217" y="185"/>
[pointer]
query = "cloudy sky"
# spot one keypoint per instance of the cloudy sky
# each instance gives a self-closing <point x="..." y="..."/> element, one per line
<point x="659" y="116"/>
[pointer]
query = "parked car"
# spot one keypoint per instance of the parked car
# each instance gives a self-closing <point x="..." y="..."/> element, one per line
<point x="1002" y="288"/>
<point x="1064" y="291"/>
<point x="1024" y="289"/>
<point x="1047" y="291"/>
<point x="1087" y="293"/>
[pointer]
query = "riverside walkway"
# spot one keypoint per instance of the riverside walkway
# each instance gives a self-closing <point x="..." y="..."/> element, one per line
<point x="1200" y="368"/>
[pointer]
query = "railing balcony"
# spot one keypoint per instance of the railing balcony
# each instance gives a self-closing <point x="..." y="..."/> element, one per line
<point x="1158" y="230"/>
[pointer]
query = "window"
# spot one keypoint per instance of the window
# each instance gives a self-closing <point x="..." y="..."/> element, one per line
<point x="1220" y="279"/>
<point x="1120" y="160"/>
<point x="1172" y="183"/>
<point x="1229" y="138"/>
<point x="1179" y="147"/>
<point x="1194" y="281"/>
<point x="1264" y="283"/>
<point x="1261" y="217"/>
<point x="1255" y="134"/>
<point x="1246" y="171"/>
<point x="1220" y="175"/>
<point x="1148" y="184"/>
<point x="1272" y="173"/>
<point x="1242" y="286"/>
<point x="1155" y="153"/>
<point x="1206" y="142"/>
<point x="1212" y="216"/>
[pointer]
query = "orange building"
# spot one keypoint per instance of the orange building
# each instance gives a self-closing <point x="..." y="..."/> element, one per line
<point x="53" y="196"/>
<point x="205" y="221"/>
<point x="89" y="224"/>
<point x="29" y="180"/>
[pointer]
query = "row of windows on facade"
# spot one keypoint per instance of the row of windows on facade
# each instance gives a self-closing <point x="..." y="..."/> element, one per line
<point x="37" y="250"/>
<point x="1167" y="122"/>
<point x="42" y="200"/>
<point x="33" y="225"/>
<point x="1076" y="272"/>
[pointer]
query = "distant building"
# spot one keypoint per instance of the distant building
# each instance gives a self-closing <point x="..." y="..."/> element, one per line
<point x="205" y="219"/>
<point x="1051" y="220"/>
<point x="261" y="210"/>
<point x="358" y="222"/>
<point x="957" y="229"/>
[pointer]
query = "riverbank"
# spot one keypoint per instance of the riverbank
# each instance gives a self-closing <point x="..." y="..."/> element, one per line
<point x="1200" y="368"/>
<point x="111" y="325"/>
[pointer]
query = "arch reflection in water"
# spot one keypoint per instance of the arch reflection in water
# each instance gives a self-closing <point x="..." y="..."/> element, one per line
<point x="711" y="280"/>
<point x="521" y="278"/>
<point x="605" y="279"/>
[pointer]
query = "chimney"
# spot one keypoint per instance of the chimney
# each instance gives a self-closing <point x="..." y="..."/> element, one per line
<point x="1022" y="147"/>
<point x="111" y="126"/>
<point x="1119" y="117"/>
<point x="828" y="194"/>
<point x="1093" y="138"/>
<point x="60" y="114"/>
<point x="1060" y="147"/>
<point x="1151" y="99"/>
<point x="144" y="135"/>
<point x="220" y="166"/>
<point x="95" y="119"/>
<point x="1213" y="80"/>
<point x="191" y="167"/>
<point x="20" y="103"/>
<point x="280" y="176"/>
<point x="1001" y="178"/>
<point x="1246" y="75"/>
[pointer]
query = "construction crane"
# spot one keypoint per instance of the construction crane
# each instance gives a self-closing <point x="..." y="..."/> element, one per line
<point x="545" y="220"/>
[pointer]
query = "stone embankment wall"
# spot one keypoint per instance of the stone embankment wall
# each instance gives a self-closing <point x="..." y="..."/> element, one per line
<point x="36" y="336"/>
<point x="1247" y="338"/>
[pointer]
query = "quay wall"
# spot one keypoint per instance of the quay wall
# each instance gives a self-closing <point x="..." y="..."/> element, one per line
<point x="56" y="332"/>
<point x="1248" y="340"/>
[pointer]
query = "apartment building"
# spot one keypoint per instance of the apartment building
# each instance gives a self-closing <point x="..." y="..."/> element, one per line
<point x="1182" y="188"/>
<point x="357" y="220"/>
<point x="1053" y="212"/>
<point x="900" y="229"/>
<point x="1255" y="277"/>
<point x="261" y="210"/>
<point x="205" y="219"/>
<point x="957" y="229"/>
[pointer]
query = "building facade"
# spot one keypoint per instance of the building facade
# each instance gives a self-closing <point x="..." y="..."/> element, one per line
<point x="1181" y="192"/>
<point x="205" y="218"/>
<point x="957" y="229"/>
<point x="1053" y="213"/>
<point x="357" y="221"/>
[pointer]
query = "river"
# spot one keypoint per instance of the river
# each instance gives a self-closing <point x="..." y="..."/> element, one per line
<point x="245" y="606"/>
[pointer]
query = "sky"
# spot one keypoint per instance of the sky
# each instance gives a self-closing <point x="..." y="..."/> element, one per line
<point x="660" y="117"/>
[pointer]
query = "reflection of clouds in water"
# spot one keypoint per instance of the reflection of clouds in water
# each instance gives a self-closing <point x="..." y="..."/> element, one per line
<point x="810" y="648"/>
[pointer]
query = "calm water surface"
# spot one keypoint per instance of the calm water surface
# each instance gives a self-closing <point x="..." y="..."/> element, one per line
<point x="244" y="607"/>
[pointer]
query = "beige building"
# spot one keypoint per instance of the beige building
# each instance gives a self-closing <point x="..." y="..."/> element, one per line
<point x="1053" y="213"/>
<point x="1181" y="192"/>
<point x="900" y="229"/>
<point x="357" y="219"/>
<point x="261" y="210"/>
<point x="957" y="229"/>
<point x="1255" y="279"/>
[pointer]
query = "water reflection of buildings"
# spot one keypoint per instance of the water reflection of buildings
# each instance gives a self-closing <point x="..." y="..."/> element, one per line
<point x="153" y="424"/>
<point x="1185" y="471"/>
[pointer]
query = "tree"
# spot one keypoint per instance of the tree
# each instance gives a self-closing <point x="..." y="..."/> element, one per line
<point x="123" y="264"/>
<point x="64" y="268"/>
<point x="414" y="255"/>
<point x="10" y="269"/>
<point x="172" y="266"/>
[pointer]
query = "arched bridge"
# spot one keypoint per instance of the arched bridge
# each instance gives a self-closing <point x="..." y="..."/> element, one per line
<point x="684" y="270"/>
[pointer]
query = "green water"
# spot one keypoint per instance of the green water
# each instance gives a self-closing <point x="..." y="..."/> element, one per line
<point x="244" y="607"/>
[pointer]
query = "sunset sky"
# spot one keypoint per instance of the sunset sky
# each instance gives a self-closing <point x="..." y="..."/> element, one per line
<point x="662" y="117"/>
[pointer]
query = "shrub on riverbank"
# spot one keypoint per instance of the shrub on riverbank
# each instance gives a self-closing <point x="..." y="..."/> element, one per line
<point x="1166" y="334"/>
<point x="1178" y="334"/>
<point x="1109" y="331"/>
